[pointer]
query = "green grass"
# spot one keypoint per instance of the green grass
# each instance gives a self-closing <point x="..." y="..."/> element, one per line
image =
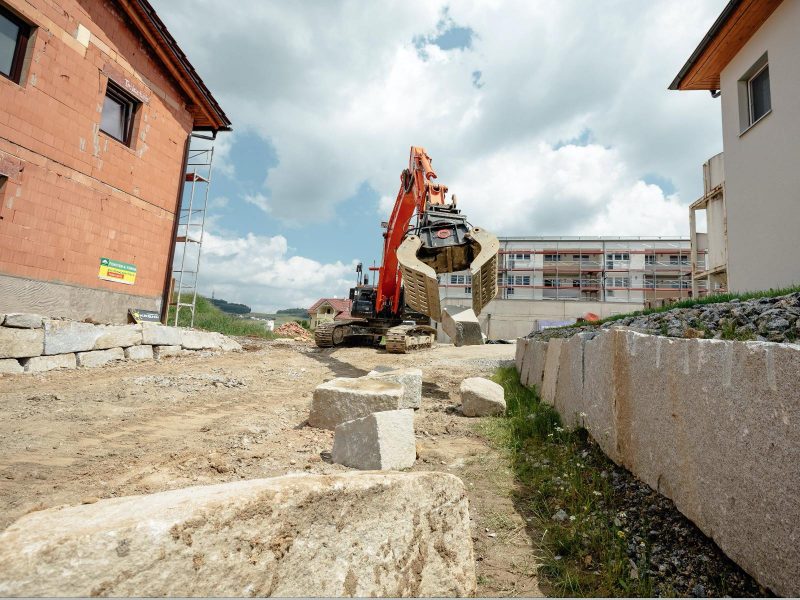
<point x="689" y="303"/>
<point x="209" y="317"/>
<point x="584" y="555"/>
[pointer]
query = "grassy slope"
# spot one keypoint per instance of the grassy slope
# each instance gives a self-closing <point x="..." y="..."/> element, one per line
<point x="209" y="317"/>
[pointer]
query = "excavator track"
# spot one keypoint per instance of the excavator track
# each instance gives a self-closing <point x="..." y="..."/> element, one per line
<point x="328" y="335"/>
<point x="402" y="339"/>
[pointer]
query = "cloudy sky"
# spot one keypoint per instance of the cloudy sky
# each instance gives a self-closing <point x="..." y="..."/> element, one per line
<point x="545" y="117"/>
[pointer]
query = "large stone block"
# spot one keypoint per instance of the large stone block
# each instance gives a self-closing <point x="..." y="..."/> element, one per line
<point x="550" y="376"/>
<point x="141" y="352"/>
<point x="462" y="326"/>
<point x="344" y="399"/>
<point x="165" y="351"/>
<point x="155" y="334"/>
<point x="481" y="397"/>
<point x="227" y="344"/>
<point x="602" y="369"/>
<point x="568" y="399"/>
<point x="61" y="337"/>
<point x="410" y="379"/>
<point x="10" y="366"/>
<point x="23" y="321"/>
<point x="39" y="364"/>
<point x="519" y="353"/>
<point x="354" y="534"/>
<point x="192" y="339"/>
<point x="118" y="336"/>
<point x="522" y="349"/>
<point x="380" y="441"/>
<point x="534" y="375"/>
<point x="20" y="343"/>
<point x="98" y="358"/>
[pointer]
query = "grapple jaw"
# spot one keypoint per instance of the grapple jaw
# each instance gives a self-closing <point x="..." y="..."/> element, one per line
<point x="444" y="243"/>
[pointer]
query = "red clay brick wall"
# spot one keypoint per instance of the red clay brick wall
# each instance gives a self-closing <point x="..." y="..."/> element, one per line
<point x="75" y="194"/>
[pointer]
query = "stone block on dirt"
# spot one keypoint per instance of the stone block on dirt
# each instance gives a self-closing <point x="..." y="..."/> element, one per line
<point x="227" y="344"/>
<point x="537" y="352"/>
<point x="98" y="358"/>
<point x="481" y="397"/>
<point x="191" y="339"/>
<point x="118" y="336"/>
<point x="39" y="364"/>
<point x="141" y="352"/>
<point x="410" y="379"/>
<point x="61" y="337"/>
<point x="380" y="441"/>
<point x="165" y="351"/>
<point x="155" y="334"/>
<point x="550" y="375"/>
<point x="352" y="534"/>
<point x="461" y="326"/>
<point x="10" y="366"/>
<point x="344" y="399"/>
<point x="20" y="343"/>
<point x="23" y="321"/>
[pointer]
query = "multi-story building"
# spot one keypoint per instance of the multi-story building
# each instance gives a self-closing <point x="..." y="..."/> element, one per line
<point x="97" y="104"/>
<point x="546" y="280"/>
<point x="749" y="59"/>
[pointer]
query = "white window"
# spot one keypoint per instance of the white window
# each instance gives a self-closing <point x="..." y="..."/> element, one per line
<point x="617" y="282"/>
<point x="755" y="97"/>
<point x="580" y="257"/>
<point x="457" y="279"/>
<point x="522" y="256"/>
<point x="468" y="290"/>
<point x="552" y="257"/>
<point x="675" y="259"/>
<point x="519" y="279"/>
<point x="650" y="259"/>
<point x="510" y="291"/>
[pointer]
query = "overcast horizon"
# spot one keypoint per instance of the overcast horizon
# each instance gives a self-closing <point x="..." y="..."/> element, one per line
<point x="545" y="118"/>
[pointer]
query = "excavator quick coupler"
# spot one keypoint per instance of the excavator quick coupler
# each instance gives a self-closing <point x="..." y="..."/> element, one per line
<point x="444" y="243"/>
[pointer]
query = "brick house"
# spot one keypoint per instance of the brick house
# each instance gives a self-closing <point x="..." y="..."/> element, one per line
<point x="97" y="104"/>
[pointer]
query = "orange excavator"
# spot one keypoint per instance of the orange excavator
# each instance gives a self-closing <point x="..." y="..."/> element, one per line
<point x="406" y="296"/>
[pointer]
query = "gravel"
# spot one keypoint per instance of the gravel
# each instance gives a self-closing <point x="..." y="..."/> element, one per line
<point x="775" y="319"/>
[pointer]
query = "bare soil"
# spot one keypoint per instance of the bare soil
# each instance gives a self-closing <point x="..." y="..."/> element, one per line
<point x="74" y="437"/>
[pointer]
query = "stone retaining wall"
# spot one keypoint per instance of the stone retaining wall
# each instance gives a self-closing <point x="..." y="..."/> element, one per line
<point x="33" y="344"/>
<point x="711" y="424"/>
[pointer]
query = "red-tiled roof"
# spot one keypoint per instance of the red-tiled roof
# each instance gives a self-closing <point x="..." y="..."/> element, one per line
<point x="338" y="304"/>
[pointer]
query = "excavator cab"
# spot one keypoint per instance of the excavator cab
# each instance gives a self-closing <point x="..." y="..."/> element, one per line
<point x="443" y="242"/>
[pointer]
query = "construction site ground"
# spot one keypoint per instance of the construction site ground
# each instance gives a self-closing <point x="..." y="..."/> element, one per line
<point x="73" y="437"/>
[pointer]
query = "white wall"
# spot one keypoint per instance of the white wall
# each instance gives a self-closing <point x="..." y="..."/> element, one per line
<point x="762" y="165"/>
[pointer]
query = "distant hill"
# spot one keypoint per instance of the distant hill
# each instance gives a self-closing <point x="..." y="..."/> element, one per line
<point x="231" y="307"/>
<point x="295" y="312"/>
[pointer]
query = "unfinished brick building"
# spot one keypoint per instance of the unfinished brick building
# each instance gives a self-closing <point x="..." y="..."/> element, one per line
<point x="97" y="104"/>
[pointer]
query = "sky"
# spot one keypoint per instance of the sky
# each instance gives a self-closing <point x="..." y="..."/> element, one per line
<point x="545" y="117"/>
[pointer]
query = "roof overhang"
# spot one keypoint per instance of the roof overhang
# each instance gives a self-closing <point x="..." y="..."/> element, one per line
<point x="206" y="112"/>
<point x="739" y="20"/>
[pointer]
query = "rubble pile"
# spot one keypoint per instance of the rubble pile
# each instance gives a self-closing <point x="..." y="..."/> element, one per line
<point x="775" y="319"/>
<point x="294" y="330"/>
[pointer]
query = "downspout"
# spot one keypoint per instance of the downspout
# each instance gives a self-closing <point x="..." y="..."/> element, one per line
<point x="165" y="295"/>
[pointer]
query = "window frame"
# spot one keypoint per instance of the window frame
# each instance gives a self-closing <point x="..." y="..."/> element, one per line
<point x="752" y="120"/>
<point x="21" y="47"/>
<point x="130" y="104"/>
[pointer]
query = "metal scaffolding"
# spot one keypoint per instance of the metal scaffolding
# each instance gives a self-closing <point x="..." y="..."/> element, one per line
<point x="191" y="225"/>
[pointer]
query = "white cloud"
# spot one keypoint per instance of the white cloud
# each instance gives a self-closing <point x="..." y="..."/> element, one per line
<point x="260" y="271"/>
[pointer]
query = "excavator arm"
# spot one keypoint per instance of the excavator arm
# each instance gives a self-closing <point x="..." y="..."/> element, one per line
<point x="440" y="242"/>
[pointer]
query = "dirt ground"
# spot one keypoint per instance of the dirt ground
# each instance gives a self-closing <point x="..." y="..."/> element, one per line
<point x="74" y="437"/>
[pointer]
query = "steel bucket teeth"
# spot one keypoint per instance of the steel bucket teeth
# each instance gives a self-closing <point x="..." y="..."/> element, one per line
<point x="483" y="268"/>
<point x="419" y="280"/>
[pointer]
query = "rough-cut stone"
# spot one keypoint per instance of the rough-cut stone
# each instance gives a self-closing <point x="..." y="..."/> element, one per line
<point x="155" y="334"/>
<point x="534" y="376"/>
<point x="191" y="339"/>
<point x="344" y="399"/>
<point x="10" y="366"/>
<point x="410" y="379"/>
<point x="568" y="398"/>
<point x="524" y="361"/>
<point x="23" y="321"/>
<point x="20" y="343"/>
<point x="461" y="326"/>
<point x="118" y="336"/>
<point x="98" y="358"/>
<point x="522" y="346"/>
<point x="602" y="368"/>
<point x="353" y="534"/>
<point x="481" y="397"/>
<point x="380" y="441"/>
<point x="142" y="352"/>
<point x="229" y="345"/>
<point x="550" y="376"/>
<point x="164" y="351"/>
<point x="61" y="337"/>
<point x="39" y="364"/>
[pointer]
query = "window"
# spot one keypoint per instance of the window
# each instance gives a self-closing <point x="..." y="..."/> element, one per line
<point x="650" y="259"/>
<point x="468" y="290"/>
<point x="552" y="257"/>
<point x="758" y="92"/>
<point x="461" y="279"/>
<point x="119" y="108"/>
<point x="519" y="279"/>
<point x="14" y="35"/>
<point x="617" y="282"/>
<point x="510" y="291"/>
<point x="580" y="257"/>
<point x="523" y="256"/>
<point x="675" y="259"/>
<point x="618" y="256"/>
